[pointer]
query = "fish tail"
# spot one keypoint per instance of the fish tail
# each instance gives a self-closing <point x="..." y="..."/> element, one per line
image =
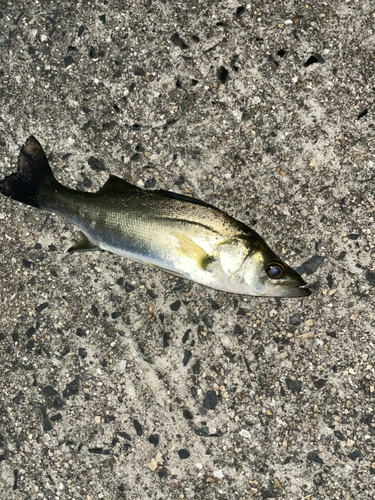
<point x="34" y="180"/>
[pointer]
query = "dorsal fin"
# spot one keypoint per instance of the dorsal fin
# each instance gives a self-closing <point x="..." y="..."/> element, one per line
<point x="115" y="183"/>
<point x="182" y="197"/>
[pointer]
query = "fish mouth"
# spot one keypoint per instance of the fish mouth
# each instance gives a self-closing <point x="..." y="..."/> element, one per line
<point x="299" y="291"/>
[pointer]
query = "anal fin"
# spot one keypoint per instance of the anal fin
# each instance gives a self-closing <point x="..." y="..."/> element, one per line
<point x="83" y="244"/>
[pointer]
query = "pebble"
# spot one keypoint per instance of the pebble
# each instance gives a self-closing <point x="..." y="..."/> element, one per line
<point x="244" y="433"/>
<point x="208" y="321"/>
<point x="313" y="457"/>
<point x="295" y="319"/>
<point x="310" y="265"/>
<point x="154" y="439"/>
<point x="175" y="306"/>
<point x="354" y="455"/>
<point x="138" y="427"/>
<point x="82" y="353"/>
<point x="203" y="431"/>
<point x="370" y="277"/>
<point x="219" y="474"/>
<point x="178" y="41"/>
<point x="41" y="307"/>
<point x="68" y="61"/>
<point x="210" y="400"/>
<point x="72" y="388"/>
<point x="339" y="435"/>
<point x="187" y="414"/>
<point x="222" y="74"/>
<point x="293" y="385"/>
<point x="153" y="464"/>
<point x="319" y="383"/>
<point x="96" y="164"/>
<point x="128" y="287"/>
<point x="184" y="453"/>
<point x="187" y="356"/>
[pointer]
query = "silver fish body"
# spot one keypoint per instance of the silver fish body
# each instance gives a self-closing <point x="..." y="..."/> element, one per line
<point x="178" y="234"/>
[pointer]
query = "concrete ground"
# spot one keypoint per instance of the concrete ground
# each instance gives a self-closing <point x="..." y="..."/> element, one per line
<point x="119" y="381"/>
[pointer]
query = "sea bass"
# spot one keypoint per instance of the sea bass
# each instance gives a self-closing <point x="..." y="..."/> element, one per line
<point x="181" y="235"/>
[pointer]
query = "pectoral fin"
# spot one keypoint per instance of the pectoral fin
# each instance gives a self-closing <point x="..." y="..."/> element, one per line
<point x="83" y="244"/>
<point x="189" y="248"/>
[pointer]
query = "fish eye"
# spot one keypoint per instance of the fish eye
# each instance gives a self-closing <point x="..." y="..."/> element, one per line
<point x="275" y="270"/>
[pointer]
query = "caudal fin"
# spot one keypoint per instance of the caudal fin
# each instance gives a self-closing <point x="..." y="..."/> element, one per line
<point x="34" y="178"/>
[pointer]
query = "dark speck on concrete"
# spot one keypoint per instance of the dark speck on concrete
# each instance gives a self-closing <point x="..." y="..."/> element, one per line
<point x="178" y="41"/>
<point x="185" y="338"/>
<point x="48" y="390"/>
<point x="80" y="332"/>
<point x="318" y="479"/>
<point x="41" y="307"/>
<point x="56" y="417"/>
<point x="82" y="353"/>
<point x="222" y="74"/>
<point x="202" y="431"/>
<point x="320" y="383"/>
<point x="187" y="356"/>
<point x="293" y="385"/>
<point x="125" y="435"/>
<point x="154" y="439"/>
<point x="240" y="10"/>
<point x="166" y="339"/>
<point x="354" y="455"/>
<point x="339" y="435"/>
<point x="139" y="71"/>
<point x="238" y="330"/>
<point x="210" y="400"/>
<point x="72" y="388"/>
<point x="295" y="319"/>
<point x="99" y="451"/>
<point x="175" y="306"/>
<point x="184" y="453"/>
<point x="208" y="321"/>
<point x="370" y="277"/>
<point x="310" y="265"/>
<point x="187" y="414"/>
<point x="68" y="61"/>
<point x="313" y="457"/>
<point x="47" y="426"/>
<point x="128" y="287"/>
<point x="138" y="427"/>
<point x="315" y="58"/>
<point x="96" y="164"/>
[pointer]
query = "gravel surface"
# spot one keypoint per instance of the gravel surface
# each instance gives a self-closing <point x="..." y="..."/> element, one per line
<point x="119" y="381"/>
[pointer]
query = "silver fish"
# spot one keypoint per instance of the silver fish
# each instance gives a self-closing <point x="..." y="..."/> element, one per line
<point x="182" y="235"/>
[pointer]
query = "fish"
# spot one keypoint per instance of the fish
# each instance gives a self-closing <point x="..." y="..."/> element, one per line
<point x="184" y="236"/>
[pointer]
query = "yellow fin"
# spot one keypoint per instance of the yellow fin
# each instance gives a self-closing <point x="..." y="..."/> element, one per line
<point x="83" y="245"/>
<point x="189" y="248"/>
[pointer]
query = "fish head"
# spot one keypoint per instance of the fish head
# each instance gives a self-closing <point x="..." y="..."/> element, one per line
<point x="252" y="268"/>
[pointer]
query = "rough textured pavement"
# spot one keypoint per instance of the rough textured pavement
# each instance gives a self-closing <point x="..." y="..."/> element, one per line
<point x="121" y="382"/>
